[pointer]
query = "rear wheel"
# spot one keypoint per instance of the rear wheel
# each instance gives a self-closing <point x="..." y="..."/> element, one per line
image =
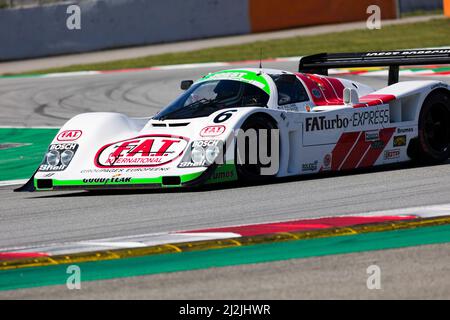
<point x="251" y="172"/>
<point x="434" y="129"/>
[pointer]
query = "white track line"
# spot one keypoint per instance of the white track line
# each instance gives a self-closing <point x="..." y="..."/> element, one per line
<point x="12" y="182"/>
<point x="137" y="241"/>
<point x="25" y="127"/>
<point x="423" y="211"/>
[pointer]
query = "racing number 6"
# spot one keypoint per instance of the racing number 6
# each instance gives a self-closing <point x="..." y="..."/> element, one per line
<point x="224" y="116"/>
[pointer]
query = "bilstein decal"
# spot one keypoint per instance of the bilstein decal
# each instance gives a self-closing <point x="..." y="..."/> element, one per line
<point x="142" y="151"/>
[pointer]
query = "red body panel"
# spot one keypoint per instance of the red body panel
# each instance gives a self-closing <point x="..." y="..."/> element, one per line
<point x="328" y="91"/>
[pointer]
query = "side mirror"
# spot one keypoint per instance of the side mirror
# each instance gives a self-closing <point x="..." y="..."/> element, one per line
<point x="186" y="84"/>
<point x="350" y="96"/>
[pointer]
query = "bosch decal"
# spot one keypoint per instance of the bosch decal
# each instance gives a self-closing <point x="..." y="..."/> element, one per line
<point x="203" y="153"/>
<point x="142" y="151"/>
<point x="58" y="157"/>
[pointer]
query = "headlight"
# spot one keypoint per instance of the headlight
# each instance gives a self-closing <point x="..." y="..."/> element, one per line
<point x="53" y="158"/>
<point x="211" y="153"/>
<point x="198" y="155"/>
<point x="66" y="156"/>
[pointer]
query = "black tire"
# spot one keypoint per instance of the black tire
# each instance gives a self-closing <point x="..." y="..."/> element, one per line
<point x="434" y="129"/>
<point x="251" y="173"/>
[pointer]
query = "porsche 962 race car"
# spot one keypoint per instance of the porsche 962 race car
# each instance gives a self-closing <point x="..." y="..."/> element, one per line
<point x="301" y="123"/>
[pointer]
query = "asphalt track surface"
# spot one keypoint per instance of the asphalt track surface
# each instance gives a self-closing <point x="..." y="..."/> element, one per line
<point x="45" y="218"/>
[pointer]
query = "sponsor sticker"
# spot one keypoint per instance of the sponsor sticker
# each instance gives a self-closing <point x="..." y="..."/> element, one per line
<point x="188" y="162"/>
<point x="64" y="146"/>
<point x="407" y="52"/>
<point x="310" y="166"/>
<point x="113" y="180"/>
<point x="142" y="151"/>
<point x="391" y="154"/>
<point x="205" y="143"/>
<point x="400" y="141"/>
<point x="48" y="167"/>
<point x="357" y="119"/>
<point x="316" y="93"/>
<point x="327" y="162"/>
<point x="222" y="175"/>
<point x="289" y="107"/>
<point x="69" y="135"/>
<point x="48" y="175"/>
<point x="212" y="131"/>
<point x="57" y="150"/>
<point x="377" y="144"/>
<point x="123" y="170"/>
<point x="240" y="75"/>
<point x="372" y="136"/>
<point x="405" y="130"/>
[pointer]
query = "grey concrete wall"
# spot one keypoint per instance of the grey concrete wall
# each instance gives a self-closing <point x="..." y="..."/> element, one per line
<point x="41" y="31"/>
<point x="25" y="3"/>
<point x="414" y="5"/>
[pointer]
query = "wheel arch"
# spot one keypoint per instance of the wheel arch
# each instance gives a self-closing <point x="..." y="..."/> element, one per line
<point x="264" y="115"/>
<point x="416" y="146"/>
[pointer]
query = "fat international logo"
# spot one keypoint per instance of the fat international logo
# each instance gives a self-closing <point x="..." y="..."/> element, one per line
<point x="142" y="151"/>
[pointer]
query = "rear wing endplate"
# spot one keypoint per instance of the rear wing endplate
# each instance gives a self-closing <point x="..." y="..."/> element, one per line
<point x="320" y="63"/>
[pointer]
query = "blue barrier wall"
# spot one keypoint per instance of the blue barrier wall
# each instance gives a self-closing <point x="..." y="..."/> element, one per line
<point x="414" y="5"/>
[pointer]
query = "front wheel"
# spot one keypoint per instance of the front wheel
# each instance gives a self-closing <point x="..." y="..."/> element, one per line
<point x="247" y="170"/>
<point x="434" y="129"/>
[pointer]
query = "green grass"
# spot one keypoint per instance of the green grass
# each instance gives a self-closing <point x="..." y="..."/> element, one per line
<point x="21" y="162"/>
<point x="433" y="33"/>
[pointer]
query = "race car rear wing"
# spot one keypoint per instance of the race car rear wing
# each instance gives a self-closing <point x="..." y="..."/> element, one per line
<point x="320" y="63"/>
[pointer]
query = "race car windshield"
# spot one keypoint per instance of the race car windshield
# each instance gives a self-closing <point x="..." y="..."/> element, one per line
<point x="204" y="98"/>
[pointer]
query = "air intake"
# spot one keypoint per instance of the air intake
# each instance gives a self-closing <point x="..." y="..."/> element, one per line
<point x="171" y="181"/>
<point x="44" y="183"/>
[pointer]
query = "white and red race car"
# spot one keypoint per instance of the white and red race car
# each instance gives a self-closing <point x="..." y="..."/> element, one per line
<point x="321" y="123"/>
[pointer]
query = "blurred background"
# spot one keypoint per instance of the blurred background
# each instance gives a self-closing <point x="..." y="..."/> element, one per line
<point x="37" y="28"/>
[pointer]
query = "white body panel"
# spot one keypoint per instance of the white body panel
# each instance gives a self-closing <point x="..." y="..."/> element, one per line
<point x="327" y="137"/>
